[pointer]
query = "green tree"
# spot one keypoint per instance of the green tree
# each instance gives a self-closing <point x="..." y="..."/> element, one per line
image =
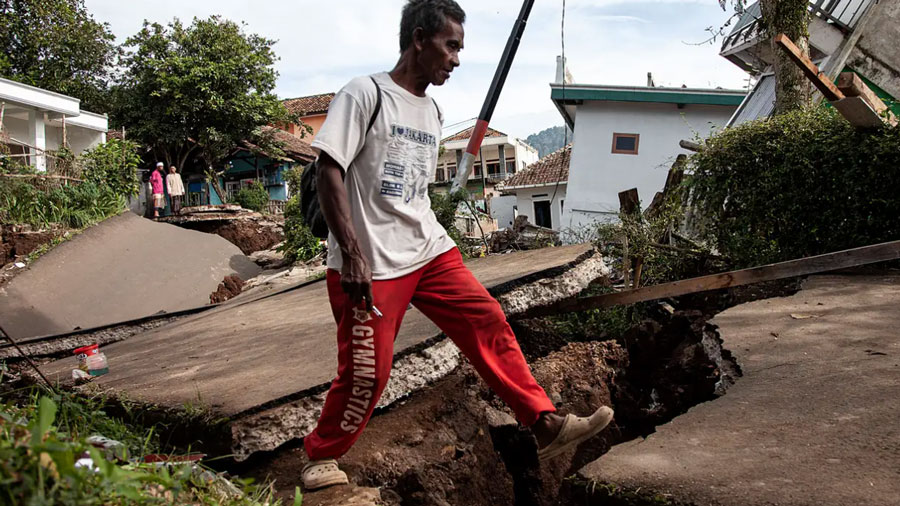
<point x="197" y="91"/>
<point x="114" y="165"/>
<point x="57" y="45"/>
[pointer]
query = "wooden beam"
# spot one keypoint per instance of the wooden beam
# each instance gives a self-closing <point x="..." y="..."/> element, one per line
<point x="852" y="85"/>
<point x="629" y="202"/>
<point x="690" y="145"/>
<point x="819" y="79"/>
<point x="858" y="112"/>
<point x="782" y="270"/>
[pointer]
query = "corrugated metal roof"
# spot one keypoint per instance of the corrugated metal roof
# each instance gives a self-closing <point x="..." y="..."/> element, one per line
<point x="760" y="103"/>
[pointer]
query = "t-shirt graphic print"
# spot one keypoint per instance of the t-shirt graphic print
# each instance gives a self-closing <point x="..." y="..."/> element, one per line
<point x="411" y="155"/>
<point x="387" y="174"/>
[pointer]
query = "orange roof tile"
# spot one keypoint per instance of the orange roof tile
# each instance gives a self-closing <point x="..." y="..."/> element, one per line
<point x="314" y="104"/>
<point x="546" y="171"/>
<point x="467" y="133"/>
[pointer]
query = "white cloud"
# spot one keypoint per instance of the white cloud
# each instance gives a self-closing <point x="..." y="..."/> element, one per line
<point x="324" y="44"/>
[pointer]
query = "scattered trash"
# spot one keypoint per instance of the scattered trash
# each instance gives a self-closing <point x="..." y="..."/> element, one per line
<point x="91" y="360"/>
<point x="798" y="316"/>
<point x="79" y="376"/>
<point x="20" y="265"/>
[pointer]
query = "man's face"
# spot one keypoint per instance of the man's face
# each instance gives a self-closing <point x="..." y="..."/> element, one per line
<point x="439" y="55"/>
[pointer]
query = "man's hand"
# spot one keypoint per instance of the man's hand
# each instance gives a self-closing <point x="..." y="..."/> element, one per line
<point x="356" y="280"/>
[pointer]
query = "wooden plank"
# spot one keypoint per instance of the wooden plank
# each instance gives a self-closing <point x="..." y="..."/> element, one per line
<point x="858" y="112"/>
<point x="690" y="145"/>
<point x="853" y="86"/>
<point x="819" y="79"/>
<point x="782" y="270"/>
<point x="629" y="202"/>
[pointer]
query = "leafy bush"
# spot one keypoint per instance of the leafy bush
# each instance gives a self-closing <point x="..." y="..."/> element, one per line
<point x="795" y="185"/>
<point x="113" y="164"/>
<point x="299" y="243"/>
<point x="444" y="206"/>
<point x="292" y="178"/>
<point x="42" y="438"/>
<point x="253" y="197"/>
<point x="75" y="206"/>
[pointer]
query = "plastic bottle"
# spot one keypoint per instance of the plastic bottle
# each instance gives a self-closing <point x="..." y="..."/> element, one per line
<point x="97" y="364"/>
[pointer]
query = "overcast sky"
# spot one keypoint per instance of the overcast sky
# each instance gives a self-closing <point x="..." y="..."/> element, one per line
<point x="322" y="45"/>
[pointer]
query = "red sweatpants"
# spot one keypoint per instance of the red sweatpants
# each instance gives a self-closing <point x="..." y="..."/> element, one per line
<point x="447" y="293"/>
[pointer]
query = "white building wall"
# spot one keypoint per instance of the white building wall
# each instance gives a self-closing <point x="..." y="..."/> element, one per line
<point x="526" y="197"/>
<point x="597" y="175"/>
<point x="503" y="210"/>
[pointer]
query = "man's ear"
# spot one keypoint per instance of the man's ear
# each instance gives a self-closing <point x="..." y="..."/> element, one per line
<point x="418" y="37"/>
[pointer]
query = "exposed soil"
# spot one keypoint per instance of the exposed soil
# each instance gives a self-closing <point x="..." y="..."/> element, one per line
<point x="230" y="287"/>
<point x="18" y="241"/>
<point x="249" y="234"/>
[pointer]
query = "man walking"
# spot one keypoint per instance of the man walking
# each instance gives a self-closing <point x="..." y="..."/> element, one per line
<point x="378" y="150"/>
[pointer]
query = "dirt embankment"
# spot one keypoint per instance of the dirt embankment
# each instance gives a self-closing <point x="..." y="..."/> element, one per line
<point x="250" y="234"/>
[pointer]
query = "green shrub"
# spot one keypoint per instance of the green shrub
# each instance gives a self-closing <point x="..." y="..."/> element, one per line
<point x="73" y="205"/>
<point x="43" y="435"/>
<point x="113" y="164"/>
<point x="253" y="197"/>
<point x="299" y="243"/>
<point x="292" y="177"/>
<point x="444" y="206"/>
<point x="795" y="185"/>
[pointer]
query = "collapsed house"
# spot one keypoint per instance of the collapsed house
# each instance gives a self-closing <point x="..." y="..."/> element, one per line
<point x="844" y="36"/>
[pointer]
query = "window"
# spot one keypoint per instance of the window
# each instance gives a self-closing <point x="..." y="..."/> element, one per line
<point x="511" y="167"/>
<point x="625" y="144"/>
<point x="477" y="170"/>
<point x="542" y="214"/>
<point x="439" y="174"/>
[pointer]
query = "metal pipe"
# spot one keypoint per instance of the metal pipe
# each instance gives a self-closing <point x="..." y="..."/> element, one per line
<point x="490" y="101"/>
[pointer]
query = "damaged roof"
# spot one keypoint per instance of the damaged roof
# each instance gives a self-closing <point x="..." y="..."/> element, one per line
<point x="313" y="104"/>
<point x="467" y="133"/>
<point x="546" y="171"/>
<point x="294" y="148"/>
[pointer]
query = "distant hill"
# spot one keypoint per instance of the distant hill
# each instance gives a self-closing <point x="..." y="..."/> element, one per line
<point x="549" y="140"/>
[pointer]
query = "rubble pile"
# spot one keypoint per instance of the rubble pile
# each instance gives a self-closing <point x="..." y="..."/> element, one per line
<point x="522" y="235"/>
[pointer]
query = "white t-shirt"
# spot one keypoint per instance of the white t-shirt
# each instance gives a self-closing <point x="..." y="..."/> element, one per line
<point x="387" y="174"/>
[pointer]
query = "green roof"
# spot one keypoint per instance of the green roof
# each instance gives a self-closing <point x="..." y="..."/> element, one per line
<point x="652" y="95"/>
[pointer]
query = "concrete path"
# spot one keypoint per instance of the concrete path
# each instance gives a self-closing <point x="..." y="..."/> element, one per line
<point x="251" y="355"/>
<point x="123" y="268"/>
<point x="814" y="420"/>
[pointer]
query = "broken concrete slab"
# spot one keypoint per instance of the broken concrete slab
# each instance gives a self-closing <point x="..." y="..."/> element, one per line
<point x="123" y="268"/>
<point x="263" y="363"/>
<point x="813" y="420"/>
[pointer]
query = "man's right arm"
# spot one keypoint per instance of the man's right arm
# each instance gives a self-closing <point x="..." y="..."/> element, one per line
<point x="356" y="275"/>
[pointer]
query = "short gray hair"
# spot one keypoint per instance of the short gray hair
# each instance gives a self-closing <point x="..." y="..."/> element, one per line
<point x="429" y="15"/>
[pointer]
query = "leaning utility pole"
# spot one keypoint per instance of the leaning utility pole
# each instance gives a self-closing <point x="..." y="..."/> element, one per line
<point x="490" y="102"/>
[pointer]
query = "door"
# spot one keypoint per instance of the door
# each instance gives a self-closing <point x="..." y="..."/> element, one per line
<point x="542" y="214"/>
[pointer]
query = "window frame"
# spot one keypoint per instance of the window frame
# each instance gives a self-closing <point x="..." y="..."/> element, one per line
<point x="637" y="142"/>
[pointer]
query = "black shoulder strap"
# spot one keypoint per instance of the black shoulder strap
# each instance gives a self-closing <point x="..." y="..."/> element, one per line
<point x="438" y="109"/>
<point x="377" y="105"/>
